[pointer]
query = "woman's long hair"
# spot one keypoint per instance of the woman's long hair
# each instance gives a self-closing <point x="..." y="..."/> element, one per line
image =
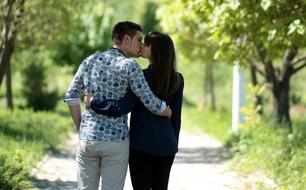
<point x="165" y="81"/>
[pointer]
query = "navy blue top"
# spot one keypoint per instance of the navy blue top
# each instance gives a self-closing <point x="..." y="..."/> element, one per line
<point x="149" y="133"/>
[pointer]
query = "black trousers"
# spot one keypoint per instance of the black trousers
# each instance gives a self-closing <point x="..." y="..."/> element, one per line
<point x="149" y="172"/>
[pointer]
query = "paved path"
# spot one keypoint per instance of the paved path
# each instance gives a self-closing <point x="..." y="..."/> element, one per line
<point x="198" y="165"/>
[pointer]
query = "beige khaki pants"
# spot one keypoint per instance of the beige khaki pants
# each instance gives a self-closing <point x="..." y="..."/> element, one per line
<point x="102" y="158"/>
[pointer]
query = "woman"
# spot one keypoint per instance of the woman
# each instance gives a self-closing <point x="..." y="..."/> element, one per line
<point x="153" y="139"/>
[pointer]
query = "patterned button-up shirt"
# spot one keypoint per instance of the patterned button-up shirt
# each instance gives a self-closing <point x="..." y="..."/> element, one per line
<point x="108" y="75"/>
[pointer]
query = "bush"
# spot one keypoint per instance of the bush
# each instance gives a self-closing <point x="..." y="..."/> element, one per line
<point x="26" y="129"/>
<point x="280" y="155"/>
<point x="25" y="137"/>
<point x="34" y="88"/>
<point x="13" y="174"/>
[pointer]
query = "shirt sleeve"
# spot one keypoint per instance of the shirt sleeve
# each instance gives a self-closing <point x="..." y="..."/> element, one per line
<point x="114" y="108"/>
<point x="141" y="89"/>
<point x="176" y="106"/>
<point x="76" y="87"/>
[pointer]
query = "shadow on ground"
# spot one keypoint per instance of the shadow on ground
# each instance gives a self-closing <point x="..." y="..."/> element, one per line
<point x="44" y="184"/>
<point x="201" y="155"/>
<point x="62" y="154"/>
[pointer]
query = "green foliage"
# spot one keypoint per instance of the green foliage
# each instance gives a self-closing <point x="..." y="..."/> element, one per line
<point x="271" y="149"/>
<point x="194" y="73"/>
<point x="44" y="23"/>
<point x="235" y="28"/>
<point x="188" y="30"/>
<point x="13" y="174"/>
<point x="149" y="21"/>
<point x="25" y="136"/>
<point x="267" y="34"/>
<point x="34" y="87"/>
<point x="196" y="117"/>
<point x="91" y="32"/>
<point x="295" y="99"/>
<point x="216" y="124"/>
<point x="243" y="25"/>
<point x="251" y="111"/>
<point x="92" y="29"/>
<point x="31" y="131"/>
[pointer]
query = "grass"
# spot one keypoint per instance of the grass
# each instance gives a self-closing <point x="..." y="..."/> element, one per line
<point x="271" y="150"/>
<point x="26" y="136"/>
<point x="32" y="132"/>
<point x="215" y="124"/>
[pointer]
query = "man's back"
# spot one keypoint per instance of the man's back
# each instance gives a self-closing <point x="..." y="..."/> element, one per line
<point x="108" y="75"/>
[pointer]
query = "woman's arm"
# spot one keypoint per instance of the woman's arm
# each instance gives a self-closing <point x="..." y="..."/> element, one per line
<point x="114" y="108"/>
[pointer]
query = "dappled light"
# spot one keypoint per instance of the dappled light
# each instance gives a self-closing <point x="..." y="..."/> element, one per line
<point x="238" y="108"/>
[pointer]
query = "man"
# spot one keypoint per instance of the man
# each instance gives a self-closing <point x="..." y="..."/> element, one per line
<point x="104" y="141"/>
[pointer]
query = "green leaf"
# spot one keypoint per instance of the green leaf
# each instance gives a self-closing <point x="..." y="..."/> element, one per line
<point x="271" y="34"/>
<point x="296" y="26"/>
<point x="265" y="4"/>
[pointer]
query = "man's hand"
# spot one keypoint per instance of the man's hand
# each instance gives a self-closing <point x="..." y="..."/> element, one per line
<point x="166" y="113"/>
<point x="87" y="100"/>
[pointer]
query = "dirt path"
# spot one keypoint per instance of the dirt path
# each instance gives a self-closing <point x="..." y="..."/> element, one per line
<point x="58" y="171"/>
<point x="198" y="165"/>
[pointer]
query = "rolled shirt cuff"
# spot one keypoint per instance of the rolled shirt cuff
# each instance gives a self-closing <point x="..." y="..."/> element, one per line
<point x="162" y="107"/>
<point x="72" y="101"/>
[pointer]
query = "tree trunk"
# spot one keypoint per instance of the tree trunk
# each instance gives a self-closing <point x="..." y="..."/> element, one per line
<point x="258" y="99"/>
<point x="9" y="94"/>
<point x="206" y="85"/>
<point x="281" y="106"/>
<point x="10" y="24"/>
<point x="279" y="81"/>
<point x="6" y="56"/>
<point x="281" y="91"/>
<point x="211" y="86"/>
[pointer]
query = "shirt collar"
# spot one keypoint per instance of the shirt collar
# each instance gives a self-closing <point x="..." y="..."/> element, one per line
<point x="118" y="50"/>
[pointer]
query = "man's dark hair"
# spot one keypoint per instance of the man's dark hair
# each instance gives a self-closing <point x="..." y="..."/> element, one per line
<point x="122" y="28"/>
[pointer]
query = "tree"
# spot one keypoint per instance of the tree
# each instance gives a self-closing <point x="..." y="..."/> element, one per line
<point x="269" y="34"/>
<point x="11" y="13"/>
<point x="38" y="24"/>
<point x="91" y="32"/>
<point x="92" y="29"/>
<point x="149" y="21"/>
<point x="190" y="33"/>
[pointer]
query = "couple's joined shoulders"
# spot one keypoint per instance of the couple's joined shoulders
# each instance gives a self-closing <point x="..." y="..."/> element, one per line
<point x="100" y="56"/>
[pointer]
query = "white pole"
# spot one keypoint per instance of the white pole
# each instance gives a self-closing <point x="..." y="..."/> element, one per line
<point x="238" y="96"/>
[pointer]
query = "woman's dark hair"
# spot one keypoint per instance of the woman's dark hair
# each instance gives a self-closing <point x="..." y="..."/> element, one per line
<point x="122" y="28"/>
<point x="163" y="64"/>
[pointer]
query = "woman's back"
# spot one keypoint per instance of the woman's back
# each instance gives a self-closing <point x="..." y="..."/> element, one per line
<point x="154" y="134"/>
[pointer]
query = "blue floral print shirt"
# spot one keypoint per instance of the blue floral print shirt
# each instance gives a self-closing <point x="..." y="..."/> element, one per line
<point x="108" y="75"/>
